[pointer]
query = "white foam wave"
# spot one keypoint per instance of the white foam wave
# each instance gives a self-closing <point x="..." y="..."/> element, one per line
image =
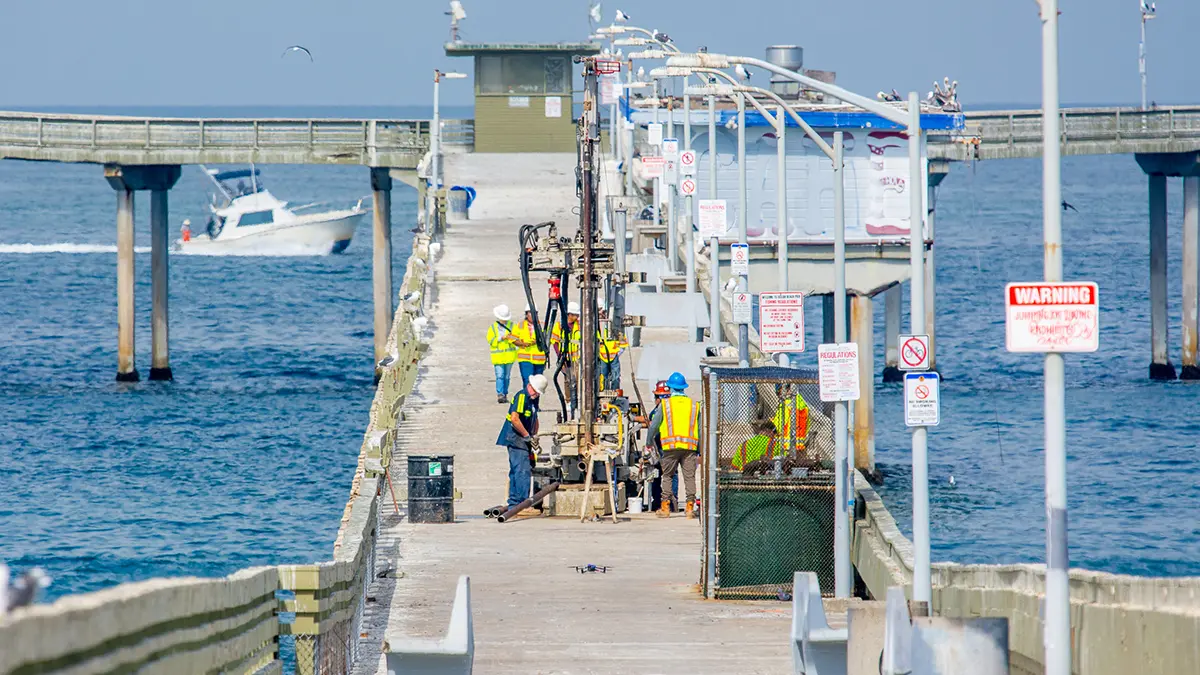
<point x="65" y="247"/>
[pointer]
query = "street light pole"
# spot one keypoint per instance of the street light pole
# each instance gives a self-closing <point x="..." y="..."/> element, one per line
<point x="1057" y="636"/>
<point x="1147" y="12"/>
<point x="743" y="280"/>
<point x="690" y="239"/>
<point x="781" y="218"/>
<point x="843" y="481"/>
<point x="922" y="590"/>
<point x="714" y="243"/>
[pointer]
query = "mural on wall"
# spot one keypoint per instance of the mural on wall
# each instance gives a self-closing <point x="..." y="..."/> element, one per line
<point x="877" y="183"/>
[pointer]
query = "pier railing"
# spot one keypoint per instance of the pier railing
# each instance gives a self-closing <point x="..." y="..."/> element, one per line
<point x="301" y="619"/>
<point x="161" y="140"/>
<point x="1011" y="134"/>
<point x="458" y="134"/>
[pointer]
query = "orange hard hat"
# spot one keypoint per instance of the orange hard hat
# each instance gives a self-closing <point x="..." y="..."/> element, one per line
<point x="661" y="389"/>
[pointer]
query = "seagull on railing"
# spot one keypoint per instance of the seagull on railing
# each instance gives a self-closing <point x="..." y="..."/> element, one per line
<point x="25" y="590"/>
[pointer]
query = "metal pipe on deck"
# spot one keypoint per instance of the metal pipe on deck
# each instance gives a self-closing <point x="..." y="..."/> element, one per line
<point x="160" y="362"/>
<point x="1160" y="363"/>
<point x="1191" y="277"/>
<point x="126" y="356"/>
<point x="381" y="270"/>
<point x="891" y="334"/>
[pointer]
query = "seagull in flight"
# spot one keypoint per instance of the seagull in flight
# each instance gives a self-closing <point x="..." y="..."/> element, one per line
<point x="297" y="48"/>
<point x="1066" y="206"/>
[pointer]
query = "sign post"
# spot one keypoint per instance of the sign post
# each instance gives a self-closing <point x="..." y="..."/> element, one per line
<point x="914" y="352"/>
<point x="1045" y="317"/>
<point x="652" y="167"/>
<point x="687" y="162"/>
<point x="921" y="408"/>
<point x="837" y="371"/>
<point x="739" y="258"/>
<point x="741" y="308"/>
<point x="781" y="322"/>
<point x="713" y="222"/>
<point x="687" y="187"/>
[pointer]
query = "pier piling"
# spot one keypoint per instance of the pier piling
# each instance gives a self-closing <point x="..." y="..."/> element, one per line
<point x="862" y="322"/>
<point x="381" y="186"/>
<point x="160" y="360"/>
<point x="891" y="335"/>
<point x="1191" y="277"/>
<point x="1160" y="364"/>
<point x="126" y="361"/>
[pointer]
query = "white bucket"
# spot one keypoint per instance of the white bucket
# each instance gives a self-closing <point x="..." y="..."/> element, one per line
<point x="635" y="504"/>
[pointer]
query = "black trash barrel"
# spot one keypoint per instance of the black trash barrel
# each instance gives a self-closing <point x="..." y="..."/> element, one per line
<point x="431" y="489"/>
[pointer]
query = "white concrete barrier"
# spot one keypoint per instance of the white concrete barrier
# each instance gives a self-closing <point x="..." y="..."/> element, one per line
<point x="452" y="655"/>
<point x="817" y="649"/>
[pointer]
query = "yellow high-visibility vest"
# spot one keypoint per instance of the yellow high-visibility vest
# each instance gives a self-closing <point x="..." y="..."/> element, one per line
<point x="531" y="354"/>
<point x="556" y="340"/>
<point x="791" y="424"/>
<point x="680" y="428"/>
<point x="499" y="337"/>
<point x="610" y="349"/>
<point x="754" y="449"/>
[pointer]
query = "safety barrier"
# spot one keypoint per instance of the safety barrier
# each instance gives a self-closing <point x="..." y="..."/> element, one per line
<point x="458" y="135"/>
<point x="1119" y="623"/>
<point x="453" y="654"/>
<point x="302" y="619"/>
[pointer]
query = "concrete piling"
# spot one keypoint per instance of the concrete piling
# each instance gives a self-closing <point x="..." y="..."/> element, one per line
<point x="381" y="186"/>
<point x="1191" y="277"/>
<point x="891" y="335"/>
<point x="862" y="328"/>
<point x="1160" y="364"/>
<point x="160" y="360"/>
<point x="126" y="361"/>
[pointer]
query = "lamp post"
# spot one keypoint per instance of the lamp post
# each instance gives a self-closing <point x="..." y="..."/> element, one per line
<point x="435" y="143"/>
<point x="1148" y="11"/>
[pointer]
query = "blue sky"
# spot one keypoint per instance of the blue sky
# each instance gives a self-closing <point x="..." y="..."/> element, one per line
<point x="380" y="52"/>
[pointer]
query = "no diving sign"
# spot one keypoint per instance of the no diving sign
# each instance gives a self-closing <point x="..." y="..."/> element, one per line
<point x="921" y="408"/>
<point x="914" y="352"/>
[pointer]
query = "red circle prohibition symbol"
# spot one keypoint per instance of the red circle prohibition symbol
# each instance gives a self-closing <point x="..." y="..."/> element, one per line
<point x="922" y="392"/>
<point x="913" y="352"/>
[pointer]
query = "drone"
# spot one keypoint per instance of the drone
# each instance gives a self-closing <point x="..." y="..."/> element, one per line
<point x="590" y="568"/>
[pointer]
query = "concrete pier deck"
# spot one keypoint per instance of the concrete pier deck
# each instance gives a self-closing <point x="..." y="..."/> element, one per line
<point x="533" y="612"/>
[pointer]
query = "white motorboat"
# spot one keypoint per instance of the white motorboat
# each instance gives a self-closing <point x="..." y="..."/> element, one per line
<point x="246" y="218"/>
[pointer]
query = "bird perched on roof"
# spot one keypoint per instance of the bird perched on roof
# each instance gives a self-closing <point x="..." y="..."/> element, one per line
<point x="663" y="38"/>
<point x="297" y="48"/>
<point x="894" y="96"/>
<point x="741" y="72"/>
<point x="621" y="17"/>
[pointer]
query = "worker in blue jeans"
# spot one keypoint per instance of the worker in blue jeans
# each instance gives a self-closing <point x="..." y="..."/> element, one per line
<point x="520" y="427"/>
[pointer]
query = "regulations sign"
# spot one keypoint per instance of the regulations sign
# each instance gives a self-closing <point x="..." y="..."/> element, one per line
<point x="712" y="218"/>
<point x="654" y="132"/>
<point x="671" y="171"/>
<point x="781" y="322"/>
<point x="921" y="400"/>
<point x="837" y="371"/>
<point x="741" y="308"/>
<point x="914" y="352"/>
<point x="687" y="186"/>
<point x="739" y="258"/>
<point x="670" y="149"/>
<point x="652" y="167"/>
<point x="687" y="162"/>
<point x="1052" y="317"/>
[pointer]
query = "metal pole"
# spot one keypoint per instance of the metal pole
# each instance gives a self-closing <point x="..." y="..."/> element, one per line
<point x="743" y="280"/>
<point x="619" y="240"/>
<point x="710" y="499"/>
<point x="920" y="460"/>
<point x="781" y="206"/>
<point x="1057" y="636"/>
<point x="688" y="203"/>
<point x="1142" y="53"/>
<point x="714" y="244"/>
<point x="587" y="281"/>
<point x="843" y="480"/>
<point x="657" y="182"/>
<point x="437" y="131"/>
<point x="672" y="231"/>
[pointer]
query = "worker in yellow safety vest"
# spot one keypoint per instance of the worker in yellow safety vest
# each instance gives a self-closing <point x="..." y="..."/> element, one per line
<point x="608" y="356"/>
<point x="531" y="359"/>
<point x="762" y="445"/>
<point x="504" y="351"/>
<point x="679" y="433"/>
<point x="790" y="422"/>
<point x="568" y="351"/>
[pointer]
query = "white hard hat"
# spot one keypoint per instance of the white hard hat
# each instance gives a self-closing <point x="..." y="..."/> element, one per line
<point x="572" y="307"/>
<point x="502" y="313"/>
<point x="539" y="383"/>
<point x="528" y="308"/>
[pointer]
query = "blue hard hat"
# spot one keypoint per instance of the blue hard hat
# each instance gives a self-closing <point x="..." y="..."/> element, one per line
<point x="677" y="381"/>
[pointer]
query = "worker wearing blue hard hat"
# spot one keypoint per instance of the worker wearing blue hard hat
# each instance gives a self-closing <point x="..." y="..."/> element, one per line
<point x="680" y="436"/>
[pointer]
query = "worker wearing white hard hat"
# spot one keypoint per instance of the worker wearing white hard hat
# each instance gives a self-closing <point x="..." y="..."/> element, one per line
<point x="571" y="351"/>
<point x="531" y="357"/>
<point x="504" y="350"/>
<point x="517" y="435"/>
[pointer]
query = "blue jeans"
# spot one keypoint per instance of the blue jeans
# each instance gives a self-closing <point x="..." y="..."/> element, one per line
<point x="503" y="373"/>
<point x="528" y="370"/>
<point x="611" y="372"/>
<point x="519" y="475"/>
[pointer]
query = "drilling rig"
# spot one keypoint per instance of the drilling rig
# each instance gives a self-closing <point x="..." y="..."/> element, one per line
<point x="595" y="438"/>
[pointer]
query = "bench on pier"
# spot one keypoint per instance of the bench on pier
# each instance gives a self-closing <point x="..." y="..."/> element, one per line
<point x="453" y="654"/>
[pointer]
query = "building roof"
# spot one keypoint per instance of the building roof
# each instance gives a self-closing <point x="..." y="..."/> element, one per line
<point x="475" y="48"/>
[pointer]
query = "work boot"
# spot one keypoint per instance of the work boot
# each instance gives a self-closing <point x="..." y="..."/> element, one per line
<point x="665" y="510"/>
<point x="501" y="398"/>
<point x="690" y="509"/>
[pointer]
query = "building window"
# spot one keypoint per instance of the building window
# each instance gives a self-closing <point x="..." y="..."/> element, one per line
<point x="558" y="76"/>
<point x="523" y="74"/>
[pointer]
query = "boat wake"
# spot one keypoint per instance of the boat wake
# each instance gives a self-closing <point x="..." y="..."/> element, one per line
<point x="65" y="248"/>
<point x="73" y="248"/>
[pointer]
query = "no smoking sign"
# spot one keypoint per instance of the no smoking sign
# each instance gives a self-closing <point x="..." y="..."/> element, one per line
<point x="914" y="352"/>
<point x="922" y="400"/>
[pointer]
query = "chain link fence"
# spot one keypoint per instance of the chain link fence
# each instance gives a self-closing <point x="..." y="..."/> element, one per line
<point x="772" y="469"/>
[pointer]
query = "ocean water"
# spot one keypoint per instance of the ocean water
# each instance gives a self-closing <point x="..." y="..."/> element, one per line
<point x="247" y="456"/>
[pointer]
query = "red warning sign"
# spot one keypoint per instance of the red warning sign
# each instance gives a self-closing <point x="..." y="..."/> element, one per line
<point x="914" y="352"/>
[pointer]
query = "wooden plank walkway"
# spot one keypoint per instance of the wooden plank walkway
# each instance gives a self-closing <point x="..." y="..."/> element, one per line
<point x="533" y="612"/>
